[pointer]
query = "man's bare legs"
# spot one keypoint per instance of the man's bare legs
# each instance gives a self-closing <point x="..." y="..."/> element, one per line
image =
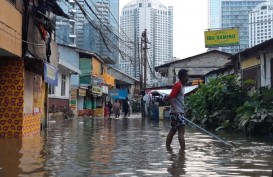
<point x="170" y="136"/>
<point x="181" y="139"/>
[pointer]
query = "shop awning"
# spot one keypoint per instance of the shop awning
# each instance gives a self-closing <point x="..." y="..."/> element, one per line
<point x="118" y="94"/>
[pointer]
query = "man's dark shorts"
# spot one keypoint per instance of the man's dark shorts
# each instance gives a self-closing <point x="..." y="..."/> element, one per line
<point x="177" y="121"/>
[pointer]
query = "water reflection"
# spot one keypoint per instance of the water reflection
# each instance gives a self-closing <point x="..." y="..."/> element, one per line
<point x="130" y="147"/>
<point x="177" y="167"/>
<point x="10" y="157"/>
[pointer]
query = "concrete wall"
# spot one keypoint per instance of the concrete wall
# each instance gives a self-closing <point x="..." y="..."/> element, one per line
<point x="33" y="103"/>
<point x="28" y="92"/>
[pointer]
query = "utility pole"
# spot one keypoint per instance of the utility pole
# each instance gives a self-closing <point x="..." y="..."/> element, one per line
<point x="140" y="64"/>
<point x="145" y="57"/>
<point x="143" y="68"/>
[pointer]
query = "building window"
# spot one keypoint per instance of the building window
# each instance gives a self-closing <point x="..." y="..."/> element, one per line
<point x="51" y="89"/>
<point x="63" y="85"/>
<point x="140" y="4"/>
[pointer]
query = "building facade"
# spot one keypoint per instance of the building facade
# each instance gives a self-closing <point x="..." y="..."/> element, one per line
<point x="260" y="19"/>
<point x="60" y="96"/>
<point x="26" y="67"/>
<point x="256" y="63"/>
<point x="157" y="19"/>
<point x="232" y="13"/>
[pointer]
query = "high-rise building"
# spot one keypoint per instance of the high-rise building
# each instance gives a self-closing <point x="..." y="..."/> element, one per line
<point x="214" y="14"/>
<point x="66" y="28"/>
<point x="261" y="23"/>
<point x="232" y="13"/>
<point x="157" y="19"/>
<point x="103" y="16"/>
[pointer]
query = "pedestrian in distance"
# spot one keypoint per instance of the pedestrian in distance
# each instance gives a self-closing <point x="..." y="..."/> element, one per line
<point x="125" y="106"/>
<point x="116" y="109"/>
<point x="177" y="109"/>
<point x="106" y="111"/>
<point x="110" y="106"/>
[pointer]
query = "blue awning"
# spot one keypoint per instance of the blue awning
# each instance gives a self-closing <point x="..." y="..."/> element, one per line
<point x="118" y="94"/>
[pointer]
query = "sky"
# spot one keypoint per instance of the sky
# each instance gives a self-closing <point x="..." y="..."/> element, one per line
<point x="189" y="22"/>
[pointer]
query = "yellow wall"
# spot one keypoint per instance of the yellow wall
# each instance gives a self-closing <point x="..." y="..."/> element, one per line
<point x="11" y="28"/>
<point x="96" y="67"/>
<point x="250" y="63"/>
<point x="11" y="97"/>
<point x="108" y="79"/>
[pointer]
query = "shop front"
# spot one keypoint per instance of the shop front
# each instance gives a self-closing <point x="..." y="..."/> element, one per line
<point x="97" y="101"/>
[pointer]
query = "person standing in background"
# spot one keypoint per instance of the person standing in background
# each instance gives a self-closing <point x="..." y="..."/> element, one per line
<point x="116" y="109"/>
<point x="110" y="106"/>
<point x="125" y="107"/>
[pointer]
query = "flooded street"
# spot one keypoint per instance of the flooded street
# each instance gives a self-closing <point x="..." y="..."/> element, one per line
<point x="86" y="147"/>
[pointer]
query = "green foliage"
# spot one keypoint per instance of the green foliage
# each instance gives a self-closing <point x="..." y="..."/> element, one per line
<point x="255" y="112"/>
<point x="214" y="104"/>
<point x="223" y="104"/>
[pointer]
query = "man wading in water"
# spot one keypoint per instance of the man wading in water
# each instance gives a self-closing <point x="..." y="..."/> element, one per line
<point x="176" y="99"/>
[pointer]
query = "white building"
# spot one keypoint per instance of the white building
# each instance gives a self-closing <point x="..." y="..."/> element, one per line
<point x="157" y="19"/>
<point x="261" y="23"/>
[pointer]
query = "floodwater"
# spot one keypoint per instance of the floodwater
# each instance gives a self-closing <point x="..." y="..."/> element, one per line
<point x="86" y="147"/>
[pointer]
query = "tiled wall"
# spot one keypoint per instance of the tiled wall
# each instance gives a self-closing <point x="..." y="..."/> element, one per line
<point x="13" y="121"/>
<point x="31" y="124"/>
<point x="11" y="97"/>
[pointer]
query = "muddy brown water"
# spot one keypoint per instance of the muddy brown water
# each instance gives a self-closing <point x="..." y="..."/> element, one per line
<point x="87" y="147"/>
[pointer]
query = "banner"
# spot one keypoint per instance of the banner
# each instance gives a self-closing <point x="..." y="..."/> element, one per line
<point x="82" y="92"/>
<point x="96" y="90"/>
<point x="118" y="94"/>
<point x="73" y="99"/>
<point x="221" y="38"/>
<point x="50" y="75"/>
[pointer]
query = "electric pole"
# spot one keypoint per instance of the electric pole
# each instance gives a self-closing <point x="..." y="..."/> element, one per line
<point x="143" y="68"/>
<point x="140" y="66"/>
<point x="144" y="36"/>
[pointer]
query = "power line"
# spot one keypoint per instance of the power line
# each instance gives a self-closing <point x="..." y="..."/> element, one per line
<point x="114" y="19"/>
<point x="27" y="42"/>
<point x="90" y="22"/>
<point x="104" y="19"/>
<point x="103" y="36"/>
<point x="120" y="51"/>
<point x="101" y="33"/>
